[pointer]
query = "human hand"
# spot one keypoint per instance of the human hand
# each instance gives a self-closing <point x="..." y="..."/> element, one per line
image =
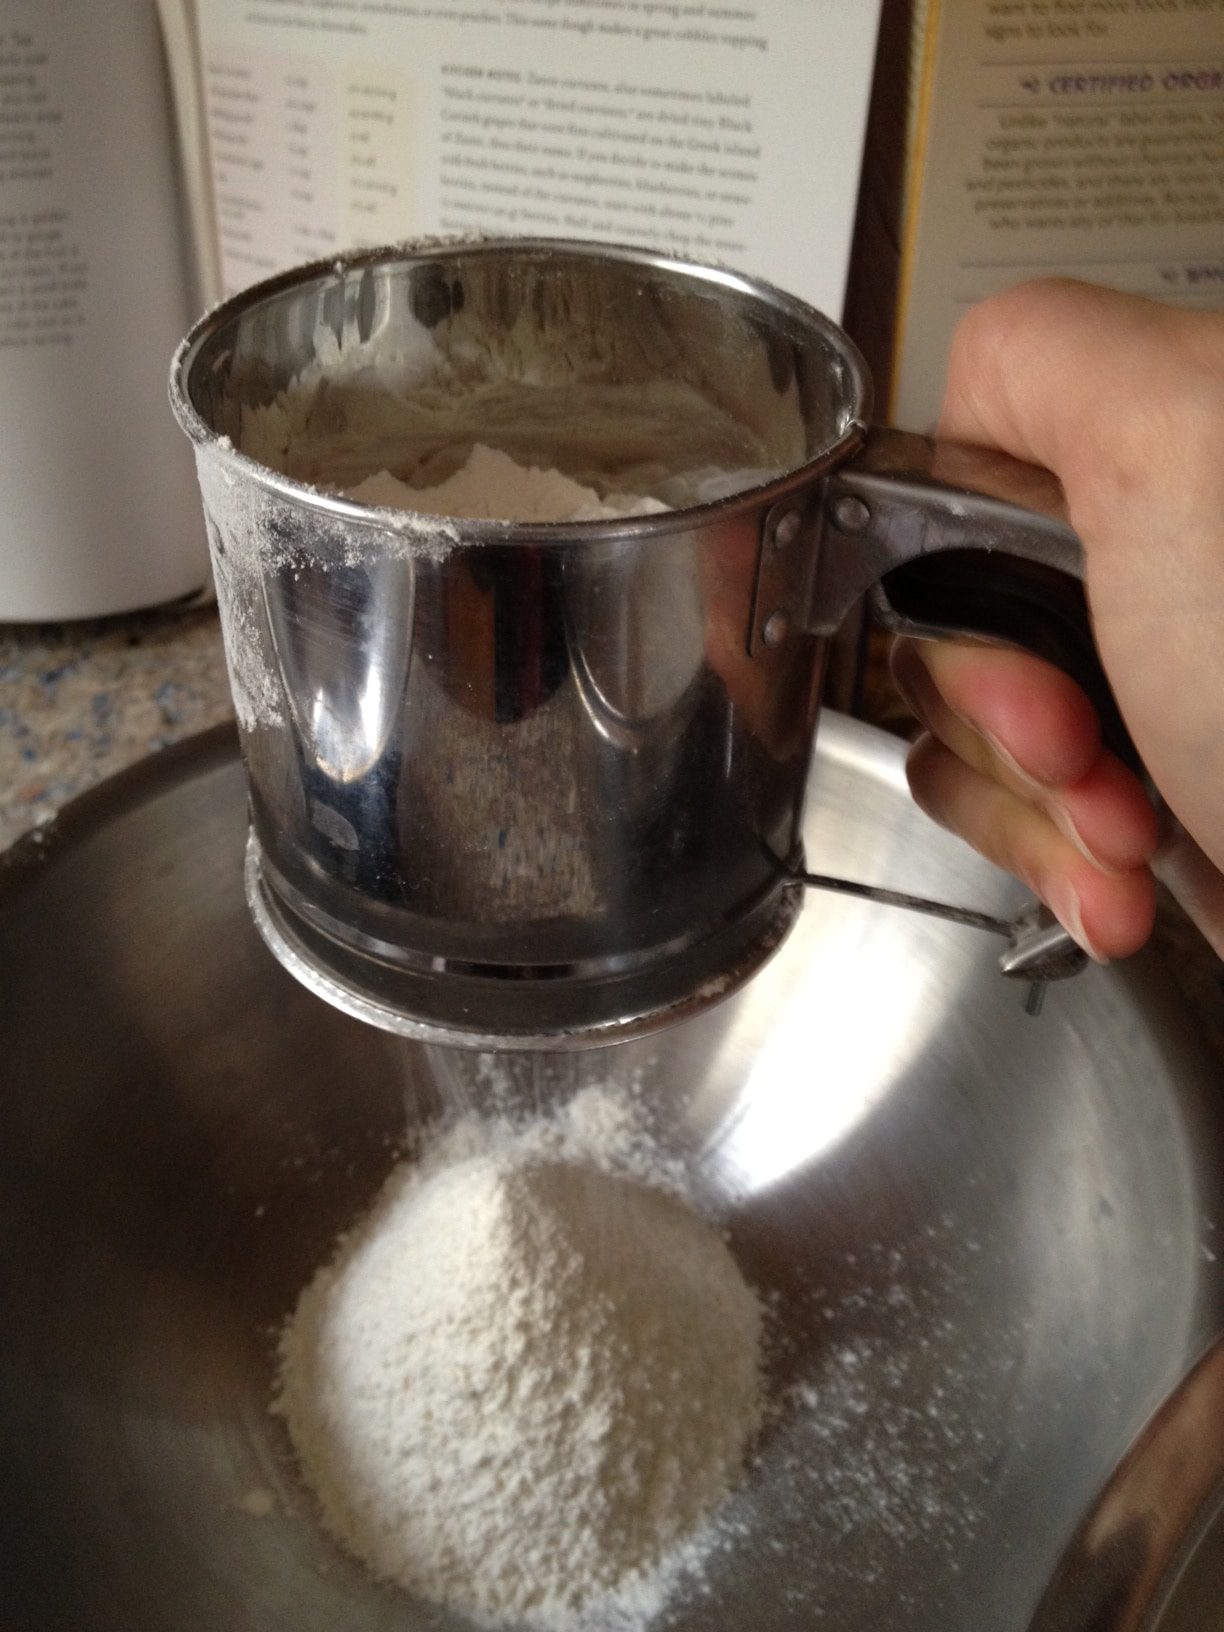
<point x="1124" y="400"/>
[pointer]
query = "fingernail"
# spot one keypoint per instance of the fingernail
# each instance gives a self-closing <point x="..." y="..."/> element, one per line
<point x="1064" y="903"/>
<point x="1009" y="759"/>
<point x="1061" y="817"/>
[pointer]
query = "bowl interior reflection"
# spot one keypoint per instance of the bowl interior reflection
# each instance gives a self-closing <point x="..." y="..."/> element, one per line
<point x="981" y="1234"/>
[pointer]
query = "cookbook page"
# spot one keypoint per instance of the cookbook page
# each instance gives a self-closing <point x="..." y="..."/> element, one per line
<point x="99" y="511"/>
<point x="731" y="132"/>
<point x="1081" y="137"/>
<point x="179" y="43"/>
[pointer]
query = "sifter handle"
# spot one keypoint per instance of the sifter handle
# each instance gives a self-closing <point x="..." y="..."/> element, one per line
<point x="949" y="540"/>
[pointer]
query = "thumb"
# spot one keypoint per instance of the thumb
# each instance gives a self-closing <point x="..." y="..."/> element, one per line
<point x="1123" y="398"/>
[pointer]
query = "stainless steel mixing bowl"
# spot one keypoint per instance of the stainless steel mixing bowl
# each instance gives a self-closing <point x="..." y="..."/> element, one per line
<point x="991" y="1239"/>
<point x="1149" y="1557"/>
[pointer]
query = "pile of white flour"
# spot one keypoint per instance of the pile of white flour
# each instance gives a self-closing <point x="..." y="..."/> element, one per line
<point x="490" y="485"/>
<point x="410" y="413"/>
<point x="529" y="1376"/>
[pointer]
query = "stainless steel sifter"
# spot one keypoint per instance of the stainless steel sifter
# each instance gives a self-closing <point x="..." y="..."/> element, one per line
<point x="542" y="785"/>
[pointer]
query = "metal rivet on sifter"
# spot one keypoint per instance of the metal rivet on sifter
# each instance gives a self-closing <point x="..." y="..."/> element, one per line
<point x="775" y="629"/>
<point x="787" y="529"/>
<point x="850" y="514"/>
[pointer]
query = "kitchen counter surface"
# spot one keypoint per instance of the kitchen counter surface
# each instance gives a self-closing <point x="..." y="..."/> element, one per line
<point x="80" y="701"/>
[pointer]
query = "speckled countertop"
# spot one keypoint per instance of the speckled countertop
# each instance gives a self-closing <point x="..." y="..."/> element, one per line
<point x="80" y="701"/>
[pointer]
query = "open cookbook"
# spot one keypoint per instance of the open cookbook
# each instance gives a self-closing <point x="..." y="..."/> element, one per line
<point x="156" y="154"/>
<point x="886" y="160"/>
